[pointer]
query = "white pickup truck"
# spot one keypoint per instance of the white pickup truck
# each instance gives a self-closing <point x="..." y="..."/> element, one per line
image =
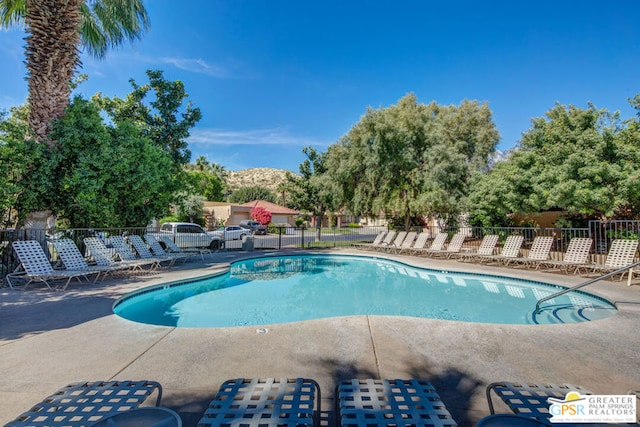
<point x="189" y="235"/>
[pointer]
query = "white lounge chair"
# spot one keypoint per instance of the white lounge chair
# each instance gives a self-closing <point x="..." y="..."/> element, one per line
<point x="621" y="254"/>
<point x="88" y="403"/>
<point x="145" y="253"/>
<point x="486" y="248"/>
<point x="437" y="245"/>
<point x="419" y="243"/>
<point x="390" y="402"/>
<point x="36" y="266"/>
<point x="510" y="250"/>
<point x="173" y="248"/>
<point x="159" y="251"/>
<point x="388" y="240"/>
<point x="396" y="242"/>
<point x="73" y="259"/>
<point x="407" y="242"/>
<point x="376" y="241"/>
<point x="455" y="246"/>
<point x="104" y="256"/>
<point x="574" y="258"/>
<point x="539" y="252"/>
<point x="125" y="254"/>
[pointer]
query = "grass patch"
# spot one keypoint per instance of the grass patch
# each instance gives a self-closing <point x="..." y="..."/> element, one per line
<point x="332" y="244"/>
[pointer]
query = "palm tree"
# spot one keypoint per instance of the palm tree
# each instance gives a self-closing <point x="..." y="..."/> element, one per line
<point x="219" y="171"/>
<point x="202" y="164"/>
<point x="282" y="189"/>
<point x="56" y="29"/>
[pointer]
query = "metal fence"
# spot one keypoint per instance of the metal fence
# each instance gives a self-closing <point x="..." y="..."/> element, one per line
<point x="602" y="232"/>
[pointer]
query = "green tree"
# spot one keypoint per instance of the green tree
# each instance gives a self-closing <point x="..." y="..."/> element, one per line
<point x="202" y="164"/>
<point x="56" y="29"/>
<point x="25" y="169"/>
<point x="107" y="175"/>
<point x="189" y="208"/>
<point x="159" y="120"/>
<point x="206" y="184"/>
<point x="311" y="191"/>
<point x="249" y="194"/>
<point x="206" y="179"/>
<point x="412" y="159"/>
<point x="282" y="190"/>
<point x="584" y="161"/>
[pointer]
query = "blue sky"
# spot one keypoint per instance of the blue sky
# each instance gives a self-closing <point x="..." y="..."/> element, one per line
<point x="272" y="77"/>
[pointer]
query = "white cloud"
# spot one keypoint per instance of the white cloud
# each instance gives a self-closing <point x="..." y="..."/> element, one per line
<point x="119" y="59"/>
<point x="197" y="66"/>
<point x="276" y="136"/>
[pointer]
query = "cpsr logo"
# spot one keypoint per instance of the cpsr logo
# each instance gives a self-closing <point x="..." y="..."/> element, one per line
<point x="576" y="408"/>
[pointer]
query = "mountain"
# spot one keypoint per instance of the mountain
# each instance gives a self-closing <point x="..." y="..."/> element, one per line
<point x="498" y="156"/>
<point x="264" y="177"/>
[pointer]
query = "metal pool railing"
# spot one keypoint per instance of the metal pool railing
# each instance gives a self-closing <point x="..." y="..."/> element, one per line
<point x="621" y="270"/>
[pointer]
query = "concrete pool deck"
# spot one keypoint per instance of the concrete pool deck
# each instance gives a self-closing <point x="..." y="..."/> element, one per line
<point x="50" y="339"/>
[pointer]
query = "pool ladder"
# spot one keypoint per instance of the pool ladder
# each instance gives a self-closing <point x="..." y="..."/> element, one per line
<point x="588" y="282"/>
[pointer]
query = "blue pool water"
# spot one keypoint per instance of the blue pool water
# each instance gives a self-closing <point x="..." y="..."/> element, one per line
<point x="275" y="290"/>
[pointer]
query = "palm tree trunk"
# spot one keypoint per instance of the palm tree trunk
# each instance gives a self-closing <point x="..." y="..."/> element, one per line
<point x="52" y="56"/>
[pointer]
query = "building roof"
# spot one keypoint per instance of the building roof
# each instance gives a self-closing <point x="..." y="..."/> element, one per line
<point x="271" y="207"/>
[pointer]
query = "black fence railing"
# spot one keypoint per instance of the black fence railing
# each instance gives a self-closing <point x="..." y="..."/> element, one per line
<point x="602" y="232"/>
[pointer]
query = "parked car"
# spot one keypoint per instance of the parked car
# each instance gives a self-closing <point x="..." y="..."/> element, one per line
<point x="189" y="235"/>
<point x="254" y="226"/>
<point x="231" y="232"/>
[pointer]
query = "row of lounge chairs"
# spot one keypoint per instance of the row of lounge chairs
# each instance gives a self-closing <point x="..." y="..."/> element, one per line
<point x="290" y="402"/>
<point x="125" y="255"/>
<point x="575" y="259"/>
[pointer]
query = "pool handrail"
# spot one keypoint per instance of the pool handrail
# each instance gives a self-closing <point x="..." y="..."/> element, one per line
<point x="588" y="282"/>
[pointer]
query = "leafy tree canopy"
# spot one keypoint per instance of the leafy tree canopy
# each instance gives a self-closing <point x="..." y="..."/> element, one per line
<point x="412" y="159"/>
<point x="205" y="184"/>
<point x="107" y="175"/>
<point x="312" y="191"/>
<point x="160" y="120"/>
<point x="123" y="173"/>
<point x="25" y="168"/>
<point x="189" y="208"/>
<point x="584" y="161"/>
<point x="248" y="194"/>
<point x="208" y="180"/>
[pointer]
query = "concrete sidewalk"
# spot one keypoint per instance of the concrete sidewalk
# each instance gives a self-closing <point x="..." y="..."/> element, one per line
<point x="49" y="339"/>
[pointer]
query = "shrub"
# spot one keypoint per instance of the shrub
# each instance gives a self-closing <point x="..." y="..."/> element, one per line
<point x="261" y="215"/>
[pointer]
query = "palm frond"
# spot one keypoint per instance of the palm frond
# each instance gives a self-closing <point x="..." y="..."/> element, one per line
<point x="109" y="23"/>
<point x="12" y="12"/>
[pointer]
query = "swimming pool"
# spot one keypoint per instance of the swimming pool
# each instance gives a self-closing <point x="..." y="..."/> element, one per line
<point x="272" y="290"/>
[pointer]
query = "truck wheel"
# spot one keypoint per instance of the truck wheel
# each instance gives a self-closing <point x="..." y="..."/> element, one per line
<point x="214" y="245"/>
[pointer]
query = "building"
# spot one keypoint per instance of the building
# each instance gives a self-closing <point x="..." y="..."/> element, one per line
<point x="216" y="213"/>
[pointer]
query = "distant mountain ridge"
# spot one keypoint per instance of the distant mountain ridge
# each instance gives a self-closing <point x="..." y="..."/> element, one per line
<point x="270" y="178"/>
<point x="498" y="156"/>
<point x="263" y="177"/>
